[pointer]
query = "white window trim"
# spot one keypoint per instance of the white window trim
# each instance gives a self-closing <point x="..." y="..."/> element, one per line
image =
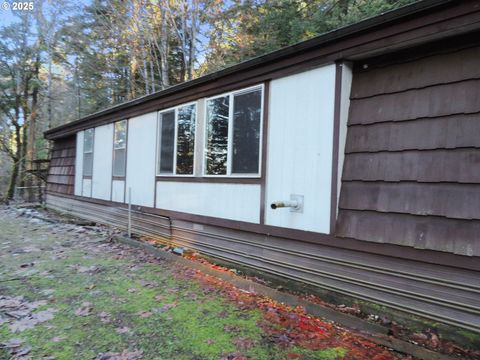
<point x="159" y="137"/>
<point x="231" y="95"/>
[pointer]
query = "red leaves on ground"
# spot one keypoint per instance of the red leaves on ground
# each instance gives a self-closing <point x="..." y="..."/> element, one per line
<point x="287" y="326"/>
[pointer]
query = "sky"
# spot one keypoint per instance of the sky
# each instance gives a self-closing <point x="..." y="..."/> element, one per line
<point x="7" y="14"/>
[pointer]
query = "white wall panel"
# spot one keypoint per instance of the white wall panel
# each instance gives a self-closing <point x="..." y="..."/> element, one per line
<point x="102" y="162"/>
<point x="118" y="190"/>
<point x="87" y="187"/>
<point x="229" y="201"/>
<point x="79" y="164"/>
<point x="141" y="151"/>
<point x="300" y="140"/>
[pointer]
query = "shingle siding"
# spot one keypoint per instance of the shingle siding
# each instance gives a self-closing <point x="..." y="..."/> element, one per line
<point x="61" y="173"/>
<point x="412" y="159"/>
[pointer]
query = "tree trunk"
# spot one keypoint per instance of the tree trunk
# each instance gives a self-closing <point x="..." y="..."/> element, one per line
<point x="23" y="156"/>
<point x="164" y="50"/>
<point x="193" y="39"/>
<point x="13" y="181"/>
<point x="49" y="89"/>
<point x="15" y="164"/>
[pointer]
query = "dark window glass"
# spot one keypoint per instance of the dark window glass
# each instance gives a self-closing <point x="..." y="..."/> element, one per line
<point x="185" y="140"/>
<point x="167" y="140"/>
<point x="119" y="148"/>
<point x="247" y="109"/>
<point x="217" y="136"/>
<point x="88" y="152"/>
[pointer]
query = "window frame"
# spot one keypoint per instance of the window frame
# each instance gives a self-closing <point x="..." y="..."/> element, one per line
<point x="92" y="151"/>
<point x="231" y="120"/>
<point x="119" y="177"/>
<point x="159" y="138"/>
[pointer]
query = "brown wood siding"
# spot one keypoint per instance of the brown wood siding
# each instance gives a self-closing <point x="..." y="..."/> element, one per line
<point x="61" y="173"/>
<point x="442" y="293"/>
<point x="412" y="159"/>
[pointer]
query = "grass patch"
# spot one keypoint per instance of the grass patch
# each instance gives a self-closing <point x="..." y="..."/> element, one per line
<point x="136" y="305"/>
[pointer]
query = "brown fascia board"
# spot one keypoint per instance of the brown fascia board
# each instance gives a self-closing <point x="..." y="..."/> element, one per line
<point x="342" y="34"/>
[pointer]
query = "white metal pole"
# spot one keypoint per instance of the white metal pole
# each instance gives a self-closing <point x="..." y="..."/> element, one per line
<point x="129" y="212"/>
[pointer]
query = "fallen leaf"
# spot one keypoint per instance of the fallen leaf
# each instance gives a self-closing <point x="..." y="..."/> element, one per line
<point x="144" y="314"/>
<point x="124" y="355"/>
<point x="244" y="343"/>
<point x="20" y="353"/>
<point x="434" y="340"/>
<point x="13" y="343"/>
<point x="104" y="317"/>
<point x="123" y="330"/>
<point x="84" y="310"/>
<point x="132" y="290"/>
<point x="15" y="302"/>
<point x="18" y="314"/>
<point x="88" y="269"/>
<point x="57" y="339"/>
<point x="233" y="356"/>
<point x="27" y="265"/>
<point x="223" y="314"/>
<point x="44" y="315"/>
<point x="192" y="296"/>
<point x="32" y="320"/>
<point x="231" y="328"/>
<point x="167" y="307"/>
<point x="22" y="325"/>
<point x="150" y="284"/>
<point x="159" y="297"/>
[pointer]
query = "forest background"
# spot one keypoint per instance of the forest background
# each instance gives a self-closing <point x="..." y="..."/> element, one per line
<point x="65" y="59"/>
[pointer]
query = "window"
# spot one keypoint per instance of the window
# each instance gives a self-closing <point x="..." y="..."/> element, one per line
<point x="119" y="148"/>
<point x="88" y="152"/>
<point x="177" y="141"/>
<point x="233" y="133"/>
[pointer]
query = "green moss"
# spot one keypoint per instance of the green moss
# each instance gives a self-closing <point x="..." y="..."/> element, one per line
<point x="328" y="354"/>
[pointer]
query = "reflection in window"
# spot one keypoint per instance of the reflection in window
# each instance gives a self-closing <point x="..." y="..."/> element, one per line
<point x="177" y="141"/>
<point x="119" y="148"/>
<point x="236" y="150"/>
<point x="217" y="135"/>
<point x="185" y="139"/>
<point x="88" y="152"/>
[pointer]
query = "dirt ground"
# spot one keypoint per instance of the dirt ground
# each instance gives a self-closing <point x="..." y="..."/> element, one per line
<point x="66" y="292"/>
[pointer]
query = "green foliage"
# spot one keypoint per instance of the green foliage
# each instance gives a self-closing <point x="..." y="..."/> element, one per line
<point x="262" y="26"/>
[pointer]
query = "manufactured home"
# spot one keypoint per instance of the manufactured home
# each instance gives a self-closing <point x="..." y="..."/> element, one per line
<point x="349" y="162"/>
